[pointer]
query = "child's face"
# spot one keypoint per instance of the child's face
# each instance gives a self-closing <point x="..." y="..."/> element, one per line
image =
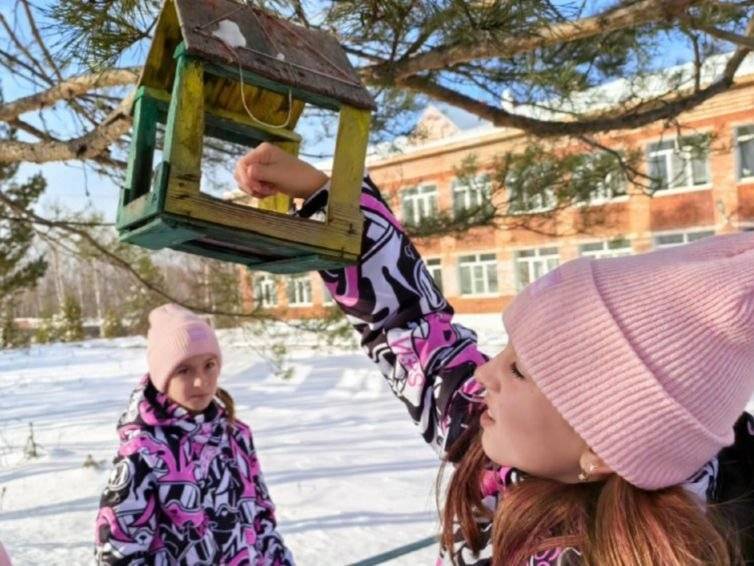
<point x="193" y="383"/>
<point x="520" y="427"/>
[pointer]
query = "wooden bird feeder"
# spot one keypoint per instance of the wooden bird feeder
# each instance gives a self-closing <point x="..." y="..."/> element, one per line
<point x="230" y="71"/>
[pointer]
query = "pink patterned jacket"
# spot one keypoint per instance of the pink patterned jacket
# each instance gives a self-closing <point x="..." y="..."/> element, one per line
<point x="185" y="489"/>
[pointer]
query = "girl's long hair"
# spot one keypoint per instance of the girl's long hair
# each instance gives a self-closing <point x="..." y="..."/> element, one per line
<point x="227" y="403"/>
<point x="610" y="523"/>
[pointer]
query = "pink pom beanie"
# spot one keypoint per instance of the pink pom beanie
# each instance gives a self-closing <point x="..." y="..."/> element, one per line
<point x="650" y="358"/>
<point x="175" y="334"/>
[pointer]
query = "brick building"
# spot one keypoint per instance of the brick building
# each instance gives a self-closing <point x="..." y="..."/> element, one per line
<point x="480" y="271"/>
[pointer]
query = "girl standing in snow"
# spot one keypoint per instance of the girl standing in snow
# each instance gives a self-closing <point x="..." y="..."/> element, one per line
<point x="609" y="431"/>
<point x="186" y="487"/>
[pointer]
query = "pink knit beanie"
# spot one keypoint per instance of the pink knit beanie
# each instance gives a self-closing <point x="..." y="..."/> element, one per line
<point x="175" y="334"/>
<point x="650" y="358"/>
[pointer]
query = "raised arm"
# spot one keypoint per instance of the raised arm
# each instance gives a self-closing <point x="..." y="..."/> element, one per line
<point x="405" y="323"/>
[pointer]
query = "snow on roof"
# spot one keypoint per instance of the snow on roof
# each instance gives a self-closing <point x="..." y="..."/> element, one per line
<point x="602" y="97"/>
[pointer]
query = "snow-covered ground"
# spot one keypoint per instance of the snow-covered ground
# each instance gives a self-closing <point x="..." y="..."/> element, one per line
<point x="349" y="474"/>
<point x="346" y="468"/>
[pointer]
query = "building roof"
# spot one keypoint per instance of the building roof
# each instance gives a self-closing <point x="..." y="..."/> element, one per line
<point x="598" y="98"/>
<point x="231" y="33"/>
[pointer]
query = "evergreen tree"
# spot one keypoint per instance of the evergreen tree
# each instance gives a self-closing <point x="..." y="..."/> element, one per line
<point x="140" y="300"/>
<point x="11" y="335"/>
<point x="71" y="321"/>
<point x="18" y="269"/>
<point x="112" y="327"/>
<point x="45" y="333"/>
<point x="224" y="291"/>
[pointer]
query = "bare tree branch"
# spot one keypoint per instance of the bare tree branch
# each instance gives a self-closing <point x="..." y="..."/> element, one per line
<point x="89" y="146"/>
<point x="68" y="90"/>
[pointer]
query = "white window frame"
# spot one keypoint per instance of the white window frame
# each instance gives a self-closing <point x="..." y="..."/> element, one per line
<point x="301" y="285"/>
<point x="434" y="266"/>
<point x="471" y="195"/>
<point x="685" y="236"/>
<point x="265" y="291"/>
<point x="605" y="194"/>
<point x="747" y="138"/>
<point x="542" y="256"/>
<point x="487" y="262"/>
<point x="605" y="250"/>
<point x="677" y="151"/>
<point x="424" y="203"/>
<point x="546" y="202"/>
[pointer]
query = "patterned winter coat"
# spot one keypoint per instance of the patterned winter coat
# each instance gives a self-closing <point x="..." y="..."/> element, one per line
<point x="185" y="489"/>
<point x="407" y="329"/>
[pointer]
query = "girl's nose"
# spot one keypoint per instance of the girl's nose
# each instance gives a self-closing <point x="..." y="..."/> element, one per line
<point x="485" y="375"/>
<point x="198" y="381"/>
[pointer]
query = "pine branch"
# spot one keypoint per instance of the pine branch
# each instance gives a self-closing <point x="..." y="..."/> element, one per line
<point x="445" y="57"/>
<point x="630" y="118"/>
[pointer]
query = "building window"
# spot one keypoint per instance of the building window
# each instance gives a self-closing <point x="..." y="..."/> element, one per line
<point x="600" y="187"/>
<point x="419" y="203"/>
<point x="299" y="291"/>
<point x="478" y="274"/>
<point x="745" y="143"/>
<point x="471" y="194"/>
<point x="680" y="238"/>
<point x="327" y="299"/>
<point x="265" y="291"/>
<point x="679" y="163"/>
<point x="526" y="195"/>
<point x="612" y="248"/>
<point x="434" y="266"/>
<point x="533" y="264"/>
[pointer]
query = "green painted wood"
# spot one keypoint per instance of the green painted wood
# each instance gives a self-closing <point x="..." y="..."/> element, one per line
<point x="143" y="218"/>
<point x="253" y="250"/>
<point x="142" y="147"/>
<point x="159" y="233"/>
<point x="141" y="209"/>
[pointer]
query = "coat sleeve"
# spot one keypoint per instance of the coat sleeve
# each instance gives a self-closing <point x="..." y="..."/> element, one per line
<point x="405" y="323"/>
<point x="126" y="520"/>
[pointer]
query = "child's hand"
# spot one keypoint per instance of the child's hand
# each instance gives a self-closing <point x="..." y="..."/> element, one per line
<point x="267" y="170"/>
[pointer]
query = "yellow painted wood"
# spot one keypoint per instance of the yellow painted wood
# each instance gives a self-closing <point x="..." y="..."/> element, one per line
<point x="268" y="106"/>
<point x="184" y="133"/>
<point x="159" y="68"/>
<point x="273" y="224"/>
<point x="243" y="119"/>
<point x="197" y="94"/>
<point x="246" y="120"/>
<point x="348" y="171"/>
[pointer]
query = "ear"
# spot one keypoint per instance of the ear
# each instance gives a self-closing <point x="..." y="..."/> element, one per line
<point x="594" y="466"/>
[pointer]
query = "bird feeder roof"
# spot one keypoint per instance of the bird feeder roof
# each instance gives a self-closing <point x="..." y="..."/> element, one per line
<point x="306" y="59"/>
